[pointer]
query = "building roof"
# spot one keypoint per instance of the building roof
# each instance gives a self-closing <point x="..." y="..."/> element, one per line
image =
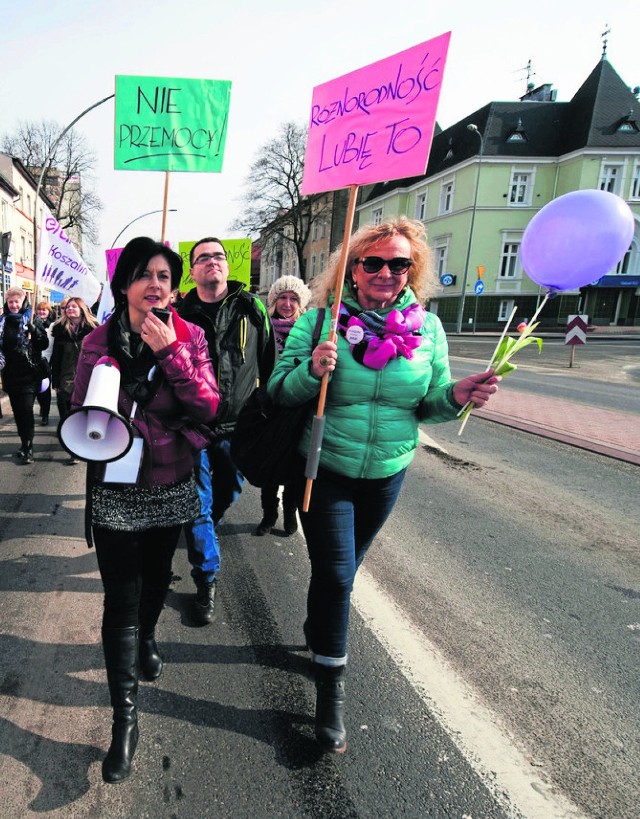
<point x="536" y="125"/>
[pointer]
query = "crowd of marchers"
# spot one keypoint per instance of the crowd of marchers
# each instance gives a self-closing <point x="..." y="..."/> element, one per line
<point x="187" y="367"/>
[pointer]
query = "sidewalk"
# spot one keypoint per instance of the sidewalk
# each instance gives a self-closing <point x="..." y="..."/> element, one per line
<point x="608" y="432"/>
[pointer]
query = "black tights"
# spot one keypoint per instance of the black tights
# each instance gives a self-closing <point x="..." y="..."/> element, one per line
<point x="22" y="408"/>
<point x="135" y="568"/>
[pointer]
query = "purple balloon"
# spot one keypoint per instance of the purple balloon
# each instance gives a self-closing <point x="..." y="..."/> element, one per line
<point x="576" y="238"/>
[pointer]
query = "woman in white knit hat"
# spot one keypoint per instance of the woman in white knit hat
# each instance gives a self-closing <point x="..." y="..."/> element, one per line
<point x="287" y="300"/>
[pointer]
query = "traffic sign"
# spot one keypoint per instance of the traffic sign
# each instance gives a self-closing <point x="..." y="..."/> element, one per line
<point x="447" y="279"/>
<point x="576" y="330"/>
<point x="478" y="287"/>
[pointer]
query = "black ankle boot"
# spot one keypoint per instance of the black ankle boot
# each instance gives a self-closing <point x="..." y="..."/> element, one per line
<point x="27" y="453"/>
<point x="330" y="698"/>
<point x="290" y="520"/>
<point x="151" y="664"/>
<point x="269" y="518"/>
<point x="120" y="653"/>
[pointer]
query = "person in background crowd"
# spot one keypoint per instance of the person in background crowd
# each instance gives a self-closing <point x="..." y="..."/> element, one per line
<point x="22" y="340"/>
<point x="287" y="300"/>
<point x="388" y="371"/>
<point x="67" y="335"/>
<point x="168" y="392"/>
<point x="242" y="350"/>
<point x="46" y="316"/>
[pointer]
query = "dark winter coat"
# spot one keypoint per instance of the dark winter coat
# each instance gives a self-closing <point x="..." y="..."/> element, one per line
<point x="241" y="346"/>
<point x="65" y="355"/>
<point x="22" y="340"/>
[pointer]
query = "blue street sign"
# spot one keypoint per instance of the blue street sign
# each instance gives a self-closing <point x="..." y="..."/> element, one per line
<point x="478" y="287"/>
<point x="447" y="279"/>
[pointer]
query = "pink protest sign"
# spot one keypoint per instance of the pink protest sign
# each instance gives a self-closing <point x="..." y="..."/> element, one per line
<point x="113" y="254"/>
<point x="376" y="123"/>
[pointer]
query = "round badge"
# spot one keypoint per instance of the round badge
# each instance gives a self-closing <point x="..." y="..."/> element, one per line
<point x="354" y="334"/>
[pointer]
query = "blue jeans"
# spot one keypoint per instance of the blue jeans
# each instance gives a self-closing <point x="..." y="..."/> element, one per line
<point x="226" y="479"/>
<point x="219" y="485"/>
<point x="345" y="515"/>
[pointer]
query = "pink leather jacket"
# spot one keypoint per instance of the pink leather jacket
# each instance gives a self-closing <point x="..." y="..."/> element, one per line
<point x="174" y="424"/>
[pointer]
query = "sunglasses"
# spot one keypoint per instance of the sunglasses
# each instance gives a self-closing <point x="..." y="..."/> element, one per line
<point x="374" y="264"/>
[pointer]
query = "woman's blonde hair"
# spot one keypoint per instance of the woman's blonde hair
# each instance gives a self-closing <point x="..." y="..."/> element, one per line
<point x="422" y="279"/>
<point x="86" y="316"/>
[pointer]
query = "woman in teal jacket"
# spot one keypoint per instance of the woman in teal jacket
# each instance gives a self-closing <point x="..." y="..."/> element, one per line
<point x="388" y="371"/>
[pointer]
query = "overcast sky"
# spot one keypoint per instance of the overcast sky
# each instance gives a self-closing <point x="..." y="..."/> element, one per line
<point x="60" y="58"/>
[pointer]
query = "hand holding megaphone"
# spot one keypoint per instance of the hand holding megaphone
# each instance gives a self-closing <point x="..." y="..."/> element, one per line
<point x="96" y="431"/>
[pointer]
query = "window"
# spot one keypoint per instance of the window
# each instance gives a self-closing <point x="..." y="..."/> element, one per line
<point x="623" y="265"/>
<point x="421" y="206"/>
<point x="323" y="230"/>
<point x="509" y="260"/>
<point x="446" y="196"/>
<point x="520" y="188"/>
<point x="441" y="251"/>
<point x="321" y="262"/>
<point x="611" y="178"/>
<point x="314" y="231"/>
<point x="635" y="182"/>
<point x="313" y="264"/>
<point x="376" y="216"/>
<point x="505" y="310"/>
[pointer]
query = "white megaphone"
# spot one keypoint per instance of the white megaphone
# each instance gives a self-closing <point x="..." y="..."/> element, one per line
<point x="96" y="431"/>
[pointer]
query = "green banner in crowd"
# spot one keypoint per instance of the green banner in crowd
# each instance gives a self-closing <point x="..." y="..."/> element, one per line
<point x="238" y="257"/>
<point x="170" y="124"/>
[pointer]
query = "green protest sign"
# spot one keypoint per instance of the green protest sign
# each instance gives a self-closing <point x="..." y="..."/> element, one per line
<point x="170" y="124"/>
<point x="238" y="258"/>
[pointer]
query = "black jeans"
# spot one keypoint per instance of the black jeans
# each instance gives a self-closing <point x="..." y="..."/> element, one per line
<point x="44" y="402"/>
<point x="63" y="400"/>
<point x="133" y="565"/>
<point x="22" y="408"/>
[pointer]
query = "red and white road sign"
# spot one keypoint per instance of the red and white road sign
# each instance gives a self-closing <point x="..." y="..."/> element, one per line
<point x="576" y="330"/>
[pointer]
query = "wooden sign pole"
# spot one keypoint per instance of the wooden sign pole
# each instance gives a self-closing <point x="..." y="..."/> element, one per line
<point x="317" y="427"/>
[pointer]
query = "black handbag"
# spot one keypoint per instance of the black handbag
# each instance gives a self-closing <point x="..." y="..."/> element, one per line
<point x="265" y="440"/>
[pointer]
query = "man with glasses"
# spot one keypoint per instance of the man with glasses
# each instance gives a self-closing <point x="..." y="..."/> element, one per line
<point x="242" y="350"/>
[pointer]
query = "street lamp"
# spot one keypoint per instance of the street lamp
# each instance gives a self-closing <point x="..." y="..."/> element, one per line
<point x="142" y="215"/>
<point x="474" y="128"/>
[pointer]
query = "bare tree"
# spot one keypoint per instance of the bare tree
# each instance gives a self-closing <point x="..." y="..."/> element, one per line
<point x="272" y="203"/>
<point x="67" y="180"/>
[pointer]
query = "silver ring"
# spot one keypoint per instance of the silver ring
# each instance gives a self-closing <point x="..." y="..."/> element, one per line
<point x="324" y="360"/>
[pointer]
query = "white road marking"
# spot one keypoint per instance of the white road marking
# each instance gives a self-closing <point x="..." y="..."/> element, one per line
<point x="471" y="725"/>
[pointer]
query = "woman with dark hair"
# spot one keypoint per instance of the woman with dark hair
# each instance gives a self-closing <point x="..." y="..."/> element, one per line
<point x="22" y="340"/>
<point x="389" y="371"/>
<point x="168" y="392"/>
<point x="67" y="335"/>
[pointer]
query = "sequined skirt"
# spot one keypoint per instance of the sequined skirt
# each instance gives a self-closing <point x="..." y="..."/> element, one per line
<point x="128" y="508"/>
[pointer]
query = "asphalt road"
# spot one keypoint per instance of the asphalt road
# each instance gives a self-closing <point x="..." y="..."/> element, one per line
<point x="493" y="659"/>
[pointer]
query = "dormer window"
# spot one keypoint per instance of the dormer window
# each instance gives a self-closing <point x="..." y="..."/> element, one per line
<point x="517" y="134"/>
<point x="449" y="154"/>
<point x="627" y="125"/>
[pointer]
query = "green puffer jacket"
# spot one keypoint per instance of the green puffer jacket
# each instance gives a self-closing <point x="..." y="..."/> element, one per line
<point x="371" y="427"/>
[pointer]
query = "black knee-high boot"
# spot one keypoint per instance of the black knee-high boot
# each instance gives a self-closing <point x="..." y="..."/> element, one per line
<point x="151" y="605"/>
<point x="120" y="653"/>
<point x="330" y="698"/>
